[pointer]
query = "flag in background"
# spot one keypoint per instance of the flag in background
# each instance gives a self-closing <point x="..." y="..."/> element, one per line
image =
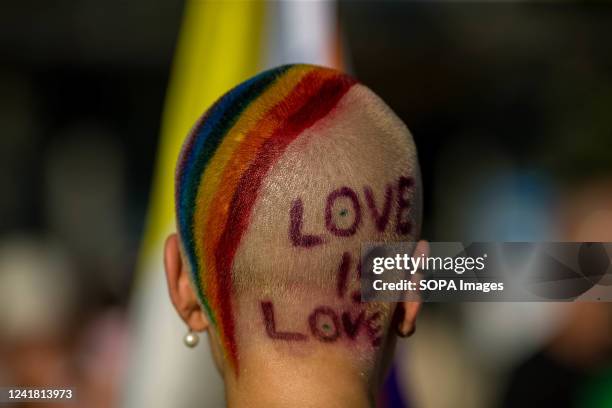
<point x="220" y="45"/>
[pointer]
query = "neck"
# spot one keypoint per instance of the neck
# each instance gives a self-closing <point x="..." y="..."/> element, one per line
<point x="292" y="383"/>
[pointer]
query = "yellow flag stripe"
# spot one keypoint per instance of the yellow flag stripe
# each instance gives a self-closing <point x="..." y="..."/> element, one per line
<point x="219" y="46"/>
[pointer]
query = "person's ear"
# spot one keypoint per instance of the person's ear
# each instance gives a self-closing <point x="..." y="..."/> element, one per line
<point x="406" y="323"/>
<point x="181" y="292"/>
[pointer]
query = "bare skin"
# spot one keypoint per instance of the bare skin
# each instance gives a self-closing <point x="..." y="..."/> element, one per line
<point x="275" y="195"/>
<point x="271" y="377"/>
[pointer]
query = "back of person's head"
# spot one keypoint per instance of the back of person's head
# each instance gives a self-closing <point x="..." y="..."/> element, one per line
<point x="277" y="186"/>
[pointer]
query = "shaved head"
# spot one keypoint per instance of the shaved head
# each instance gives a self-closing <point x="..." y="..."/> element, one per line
<point x="277" y="186"/>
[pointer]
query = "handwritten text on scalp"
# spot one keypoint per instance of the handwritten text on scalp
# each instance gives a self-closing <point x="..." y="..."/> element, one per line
<point x="325" y="323"/>
<point x="328" y="324"/>
<point x="380" y="213"/>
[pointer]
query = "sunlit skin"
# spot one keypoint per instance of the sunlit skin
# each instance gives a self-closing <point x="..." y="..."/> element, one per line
<point x="267" y="260"/>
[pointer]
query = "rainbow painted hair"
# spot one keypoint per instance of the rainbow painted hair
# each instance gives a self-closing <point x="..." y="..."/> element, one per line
<point x="224" y="161"/>
<point x="248" y="170"/>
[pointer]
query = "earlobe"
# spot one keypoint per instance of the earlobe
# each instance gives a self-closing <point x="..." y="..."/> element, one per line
<point x="180" y="290"/>
<point x="405" y="324"/>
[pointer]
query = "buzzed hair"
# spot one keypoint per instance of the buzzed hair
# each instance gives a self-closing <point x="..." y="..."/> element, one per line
<point x="277" y="185"/>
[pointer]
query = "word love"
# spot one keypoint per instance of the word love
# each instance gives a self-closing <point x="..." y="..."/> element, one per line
<point x="327" y="325"/>
<point x="379" y="209"/>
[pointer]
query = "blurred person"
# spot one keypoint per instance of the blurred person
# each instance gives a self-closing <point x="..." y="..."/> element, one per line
<point x="38" y="301"/>
<point x="101" y="356"/>
<point x="503" y="202"/>
<point x="277" y="185"/>
<point x="83" y="175"/>
<point x="574" y="368"/>
<point x="49" y="337"/>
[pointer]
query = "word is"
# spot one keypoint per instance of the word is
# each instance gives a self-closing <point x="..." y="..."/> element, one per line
<point x="327" y="324"/>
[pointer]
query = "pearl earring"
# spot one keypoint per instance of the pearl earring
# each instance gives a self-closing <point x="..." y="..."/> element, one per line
<point x="191" y="339"/>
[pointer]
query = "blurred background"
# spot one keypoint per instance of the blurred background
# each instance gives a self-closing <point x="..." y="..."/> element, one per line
<point x="510" y="105"/>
